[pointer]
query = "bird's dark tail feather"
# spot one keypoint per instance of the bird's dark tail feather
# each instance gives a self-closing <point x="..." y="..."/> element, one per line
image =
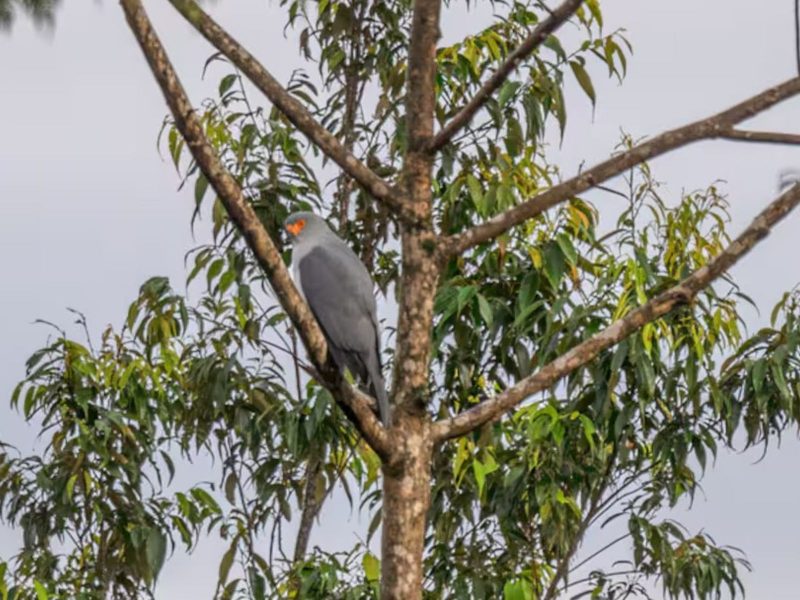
<point x="377" y="389"/>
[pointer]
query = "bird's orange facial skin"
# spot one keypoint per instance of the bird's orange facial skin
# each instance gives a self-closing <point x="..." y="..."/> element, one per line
<point x="296" y="227"/>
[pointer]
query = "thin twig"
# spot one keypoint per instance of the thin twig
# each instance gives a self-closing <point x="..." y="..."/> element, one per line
<point x="597" y="553"/>
<point x="562" y="568"/>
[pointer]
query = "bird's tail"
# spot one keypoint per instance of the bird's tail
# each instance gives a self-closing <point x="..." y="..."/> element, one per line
<point x="377" y="388"/>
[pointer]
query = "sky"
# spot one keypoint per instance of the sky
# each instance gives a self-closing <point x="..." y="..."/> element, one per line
<point x="89" y="210"/>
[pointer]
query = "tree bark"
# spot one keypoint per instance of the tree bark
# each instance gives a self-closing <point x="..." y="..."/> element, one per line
<point x="407" y="475"/>
<point x="406" y="499"/>
<point x="312" y="503"/>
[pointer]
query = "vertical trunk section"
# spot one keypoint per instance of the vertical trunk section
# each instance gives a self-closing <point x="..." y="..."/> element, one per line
<point x="406" y="498"/>
<point x="407" y="475"/>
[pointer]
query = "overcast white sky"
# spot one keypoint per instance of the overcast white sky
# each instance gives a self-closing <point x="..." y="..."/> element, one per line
<point x="88" y="210"/>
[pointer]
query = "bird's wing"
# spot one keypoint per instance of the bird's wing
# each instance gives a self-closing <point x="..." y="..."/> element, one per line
<point x="338" y="290"/>
<point x="335" y="290"/>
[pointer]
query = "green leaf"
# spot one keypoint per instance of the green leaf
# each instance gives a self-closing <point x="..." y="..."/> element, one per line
<point x="230" y="589"/>
<point x="514" y="139"/>
<point x="594" y="8"/>
<point x="372" y="567"/>
<point x="41" y="592"/>
<point x="583" y="80"/>
<point x="227" y="561"/>
<point x="507" y="91"/>
<point x="226" y="83"/>
<point x="554" y="266"/>
<point x="553" y="43"/>
<point x="175" y="145"/>
<point x="214" y="270"/>
<point x="156" y="551"/>
<point x="71" y="486"/>
<point x="485" y="310"/>
<point x="476" y="193"/>
<point x="205" y="499"/>
<point x="519" y="589"/>
<point x="479" y="470"/>
<point x="465" y="295"/>
<point x="758" y="372"/>
<point x="780" y="381"/>
<point x="257" y="583"/>
<point x="230" y="488"/>
<point x="647" y="374"/>
<point x="565" y="243"/>
<point x="200" y="188"/>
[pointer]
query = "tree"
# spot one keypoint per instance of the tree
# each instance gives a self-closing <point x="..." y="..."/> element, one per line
<point x="41" y="11"/>
<point x="548" y="375"/>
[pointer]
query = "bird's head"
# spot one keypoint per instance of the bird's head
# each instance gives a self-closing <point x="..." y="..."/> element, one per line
<point x="302" y="225"/>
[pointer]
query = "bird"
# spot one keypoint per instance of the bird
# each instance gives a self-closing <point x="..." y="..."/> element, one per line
<point x="339" y="291"/>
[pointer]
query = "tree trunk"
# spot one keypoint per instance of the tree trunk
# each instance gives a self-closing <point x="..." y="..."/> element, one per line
<point x="406" y="498"/>
<point x="407" y="473"/>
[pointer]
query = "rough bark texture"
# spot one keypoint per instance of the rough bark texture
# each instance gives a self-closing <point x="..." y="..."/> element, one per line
<point x="420" y="273"/>
<point x="406" y="477"/>
<point x="406" y="499"/>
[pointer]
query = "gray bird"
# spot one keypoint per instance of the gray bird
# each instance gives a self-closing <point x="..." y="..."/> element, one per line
<point x="339" y="291"/>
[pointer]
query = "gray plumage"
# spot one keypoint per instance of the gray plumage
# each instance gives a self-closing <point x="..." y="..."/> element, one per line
<point x="339" y="291"/>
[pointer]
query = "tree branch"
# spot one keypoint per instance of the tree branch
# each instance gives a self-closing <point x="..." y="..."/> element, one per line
<point x="312" y="503"/>
<point x="557" y="17"/>
<point x="290" y="106"/>
<point x="420" y="84"/>
<point x="680" y="294"/>
<point x="355" y="404"/>
<point x="768" y="137"/>
<point x="562" y="567"/>
<point x="719" y="125"/>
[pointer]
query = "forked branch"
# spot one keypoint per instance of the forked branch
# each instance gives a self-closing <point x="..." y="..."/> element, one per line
<point x="540" y="33"/>
<point x="290" y="106"/>
<point x="680" y="294"/>
<point x="355" y="404"/>
<point x="720" y="125"/>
